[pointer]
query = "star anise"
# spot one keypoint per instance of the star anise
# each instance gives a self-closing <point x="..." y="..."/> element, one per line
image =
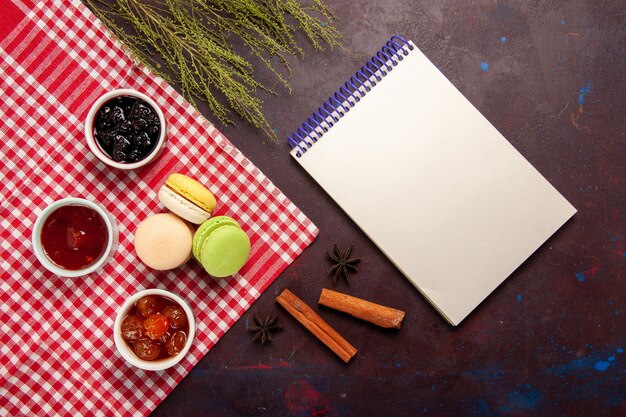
<point x="263" y="328"/>
<point x="342" y="264"/>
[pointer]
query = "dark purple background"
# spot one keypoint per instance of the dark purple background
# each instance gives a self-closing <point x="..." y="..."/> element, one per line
<point x="550" y="76"/>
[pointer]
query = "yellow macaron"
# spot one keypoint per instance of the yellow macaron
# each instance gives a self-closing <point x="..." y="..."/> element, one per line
<point x="192" y="190"/>
<point x="187" y="198"/>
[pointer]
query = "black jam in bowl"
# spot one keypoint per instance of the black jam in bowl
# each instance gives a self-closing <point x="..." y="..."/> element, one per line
<point x="127" y="129"/>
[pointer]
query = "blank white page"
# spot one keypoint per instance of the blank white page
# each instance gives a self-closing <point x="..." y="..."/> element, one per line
<point x="438" y="189"/>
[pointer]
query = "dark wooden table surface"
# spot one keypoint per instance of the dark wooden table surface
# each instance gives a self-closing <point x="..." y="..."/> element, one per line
<point x="550" y="341"/>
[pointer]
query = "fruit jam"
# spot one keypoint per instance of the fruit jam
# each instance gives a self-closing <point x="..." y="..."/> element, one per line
<point x="155" y="328"/>
<point x="127" y="129"/>
<point x="74" y="237"/>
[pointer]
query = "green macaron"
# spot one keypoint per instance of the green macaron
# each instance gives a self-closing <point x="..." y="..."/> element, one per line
<point x="221" y="246"/>
<point x="206" y="229"/>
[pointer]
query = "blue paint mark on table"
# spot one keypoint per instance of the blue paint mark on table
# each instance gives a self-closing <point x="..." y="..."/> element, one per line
<point x="584" y="91"/>
<point x="482" y="408"/>
<point x="521" y="399"/>
<point x="591" y="361"/>
<point x="602" y="366"/>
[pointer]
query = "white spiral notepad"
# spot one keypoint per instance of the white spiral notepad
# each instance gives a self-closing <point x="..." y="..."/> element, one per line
<point x="438" y="189"/>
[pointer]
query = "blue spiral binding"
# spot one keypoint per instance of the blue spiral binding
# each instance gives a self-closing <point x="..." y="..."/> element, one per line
<point x="350" y="93"/>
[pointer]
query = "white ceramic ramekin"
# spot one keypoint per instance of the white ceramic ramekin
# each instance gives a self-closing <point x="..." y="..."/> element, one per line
<point x="111" y="246"/>
<point x="95" y="147"/>
<point x="127" y="353"/>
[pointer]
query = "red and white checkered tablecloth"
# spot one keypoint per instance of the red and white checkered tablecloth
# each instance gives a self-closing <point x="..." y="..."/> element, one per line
<point x="57" y="354"/>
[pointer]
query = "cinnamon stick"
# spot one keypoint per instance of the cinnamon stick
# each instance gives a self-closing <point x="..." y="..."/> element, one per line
<point x="316" y="325"/>
<point x="377" y="314"/>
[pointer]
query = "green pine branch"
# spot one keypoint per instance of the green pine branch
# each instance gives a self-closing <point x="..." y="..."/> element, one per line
<point x="194" y="38"/>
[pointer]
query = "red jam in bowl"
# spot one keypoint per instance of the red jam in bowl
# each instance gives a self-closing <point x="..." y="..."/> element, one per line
<point x="74" y="237"/>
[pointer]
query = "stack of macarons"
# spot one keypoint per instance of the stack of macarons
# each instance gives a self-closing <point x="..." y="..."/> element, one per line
<point x="166" y="241"/>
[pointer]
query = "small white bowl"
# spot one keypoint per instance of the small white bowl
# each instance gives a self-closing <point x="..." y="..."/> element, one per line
<point x="127" y="352"/>
<point x="95" y="147"/>
<point x="111" y="246"/>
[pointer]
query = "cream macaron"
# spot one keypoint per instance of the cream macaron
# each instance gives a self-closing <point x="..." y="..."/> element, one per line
<point x="187" y="198"/>
<point x="163" y="241"/>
